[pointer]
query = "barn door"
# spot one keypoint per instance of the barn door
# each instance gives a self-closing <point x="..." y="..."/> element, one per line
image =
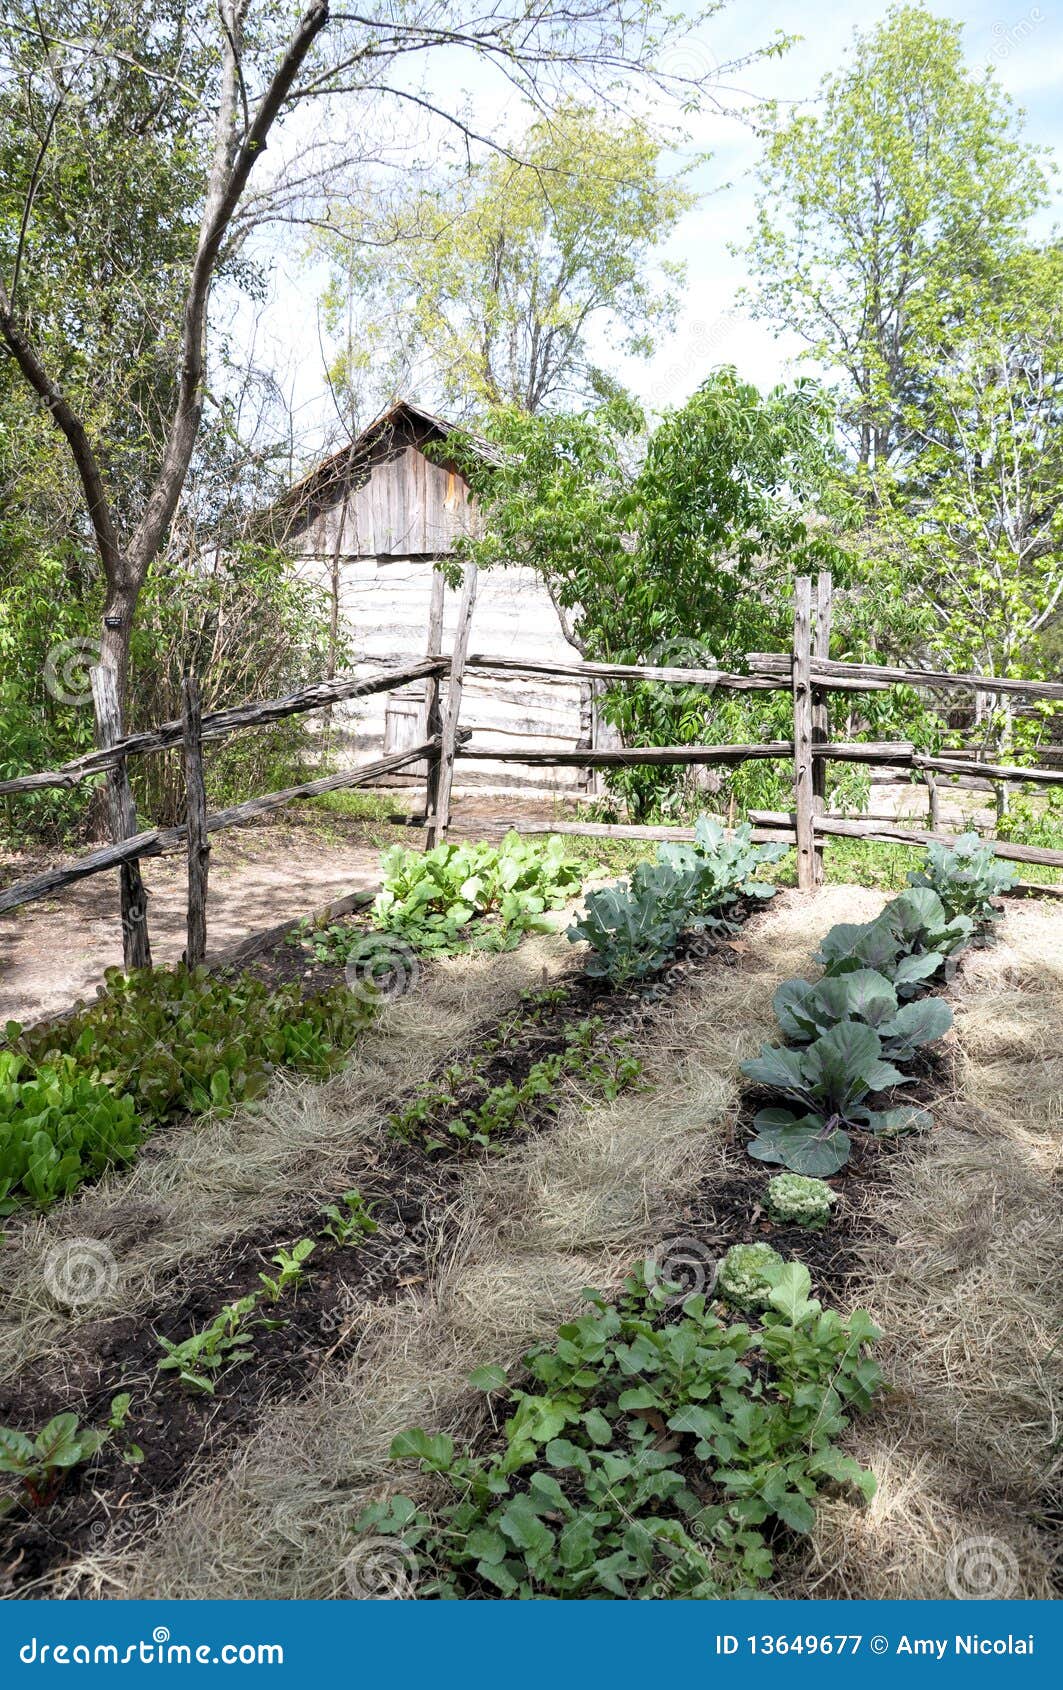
<point x="404" y="725"/>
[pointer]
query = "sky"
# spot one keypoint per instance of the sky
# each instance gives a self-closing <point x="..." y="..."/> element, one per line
<point x="1024" y="47"/>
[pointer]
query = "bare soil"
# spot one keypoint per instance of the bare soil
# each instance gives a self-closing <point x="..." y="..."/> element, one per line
<point x="54" y="953"/>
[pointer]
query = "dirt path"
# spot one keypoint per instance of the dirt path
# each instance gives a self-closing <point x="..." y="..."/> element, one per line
<point x="54" y="952"/>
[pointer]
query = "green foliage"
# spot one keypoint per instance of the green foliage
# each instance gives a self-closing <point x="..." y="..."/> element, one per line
<point x="646" y="1459"/>
<point x="77" y="1096"/>
<point x="967" y="876"/>
<point x="747" y="1274"/>
<point x="830" y="1080"/>
<point x="607" y="1066"/>
<point x="473" y="896"/>
<point x="58" y="1127"/>
<point x="201" y="1359"/>
<point x="184" y="1039"/>
<point x="353" y="1221"/>
<point x="888" y="208"/>
<point x="910" y="942"/>
<point x="1034" y="821"/>
<point x="794" y="1200"/>
<point x="805" y="1010"/>
<point x="291" y="1266"/>
<point x="508" y="264"/>
<point x="42" y="1463"/>
<point x="633" y="928"/>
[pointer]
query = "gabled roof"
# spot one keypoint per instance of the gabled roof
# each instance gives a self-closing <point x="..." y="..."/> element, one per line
<point x="402" y="424"/>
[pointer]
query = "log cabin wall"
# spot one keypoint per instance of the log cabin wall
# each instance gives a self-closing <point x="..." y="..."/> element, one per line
<point x="377" y="517"/>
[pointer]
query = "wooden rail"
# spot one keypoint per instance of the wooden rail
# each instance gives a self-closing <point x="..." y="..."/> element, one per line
<point x="806" y="672"/>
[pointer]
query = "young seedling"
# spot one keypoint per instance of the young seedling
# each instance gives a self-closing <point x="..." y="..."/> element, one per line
<point x="42" y="1463"/>
<point x="132" y="1453"/>
<point x="290" y="1263"/>
<point x="199" y="1360"/>
<point x="352" y="1222"/>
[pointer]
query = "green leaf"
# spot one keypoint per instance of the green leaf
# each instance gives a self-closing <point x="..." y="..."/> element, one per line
<point x="490" y="1378"/>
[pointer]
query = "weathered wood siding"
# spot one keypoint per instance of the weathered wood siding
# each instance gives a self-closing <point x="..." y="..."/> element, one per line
<point x="383" y="605"/>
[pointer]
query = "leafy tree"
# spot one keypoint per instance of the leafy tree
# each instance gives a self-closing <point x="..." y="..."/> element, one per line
<point x="485" y="287"/>
<point x="680" y="550"/>
<point x="886" y="213"/>
<point x="978" y="514"/>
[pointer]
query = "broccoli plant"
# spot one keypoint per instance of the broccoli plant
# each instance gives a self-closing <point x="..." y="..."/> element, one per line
<point x="805" y="1010"/>
<point x="830" y="1080"/>
<point x="633" y="927"/>
<point x="966" y="876"/>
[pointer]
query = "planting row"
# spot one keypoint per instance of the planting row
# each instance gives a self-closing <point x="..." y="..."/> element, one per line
<point x="854" y="1032"/>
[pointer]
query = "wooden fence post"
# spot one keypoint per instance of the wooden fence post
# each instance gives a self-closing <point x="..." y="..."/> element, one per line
<point x="433" y="718"/>
<point x="438" y="822"/>
<point x="821" y="710"/>
<point x="196" y="815"/>
<point x="804" y="800"/>
<point x="136" y="946"/>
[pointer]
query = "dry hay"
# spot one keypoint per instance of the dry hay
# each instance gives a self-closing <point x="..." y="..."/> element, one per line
<point x="204" y="1182"/>
<point x="967" y="1446"/>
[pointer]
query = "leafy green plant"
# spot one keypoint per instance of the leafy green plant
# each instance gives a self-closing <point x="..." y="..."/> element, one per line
<point x="479" y="895"/>
<point x="648" y="1456"/>
<point x="746" y="1275"/>
<point x="966" y="876"/>
<point x="42" y="1463"/>
<point x="353" y="1221"/>
<point x="291" y="1266"/>
<point x="805" y="1010"/>
<point x="633" y="928"/>
<point x="202" y="1358"/>
<point x="77" y="1096"/>
<point x="794" y="1200"/>
<point x="909" y="942"/>
<point x="58" y="1127"/>
<point x="132" y="1453"/>
<point x="606" y="1064"/>
<point x="830" y="1079"/>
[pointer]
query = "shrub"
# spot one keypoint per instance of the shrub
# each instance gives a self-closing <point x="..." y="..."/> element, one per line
<point x="58" y="1127"/>
<point x="966" y="876"/>
<point x="795" y="1200"/>
<point x="746" y="1275"/>
<point x="645" y="1458"/>
<point x="480" y="896"/>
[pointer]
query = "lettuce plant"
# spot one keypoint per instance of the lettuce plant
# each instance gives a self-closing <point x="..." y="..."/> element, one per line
<point x="966" y="876"/>
<point x="480" y="895"/>
<point x="58" y="1127"/>
<point x="746" y="1275"/>
<point x="830" y="1080"/>
<point x="805" y="1010"/>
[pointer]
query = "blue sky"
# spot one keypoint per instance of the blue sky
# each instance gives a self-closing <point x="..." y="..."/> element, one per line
<point x="1023" y="45"/>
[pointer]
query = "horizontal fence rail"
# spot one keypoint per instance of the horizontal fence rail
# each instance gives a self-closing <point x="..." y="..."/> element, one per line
<point x="805" y="672"/>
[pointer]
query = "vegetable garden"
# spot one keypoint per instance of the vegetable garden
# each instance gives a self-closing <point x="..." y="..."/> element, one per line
<point x="466" y="1247"/>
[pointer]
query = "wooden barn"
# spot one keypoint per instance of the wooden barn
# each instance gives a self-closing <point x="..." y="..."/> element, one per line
<point x="369" y="525"/>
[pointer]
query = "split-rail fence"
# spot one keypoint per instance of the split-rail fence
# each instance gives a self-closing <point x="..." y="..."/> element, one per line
<point x="805" y="672"/>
